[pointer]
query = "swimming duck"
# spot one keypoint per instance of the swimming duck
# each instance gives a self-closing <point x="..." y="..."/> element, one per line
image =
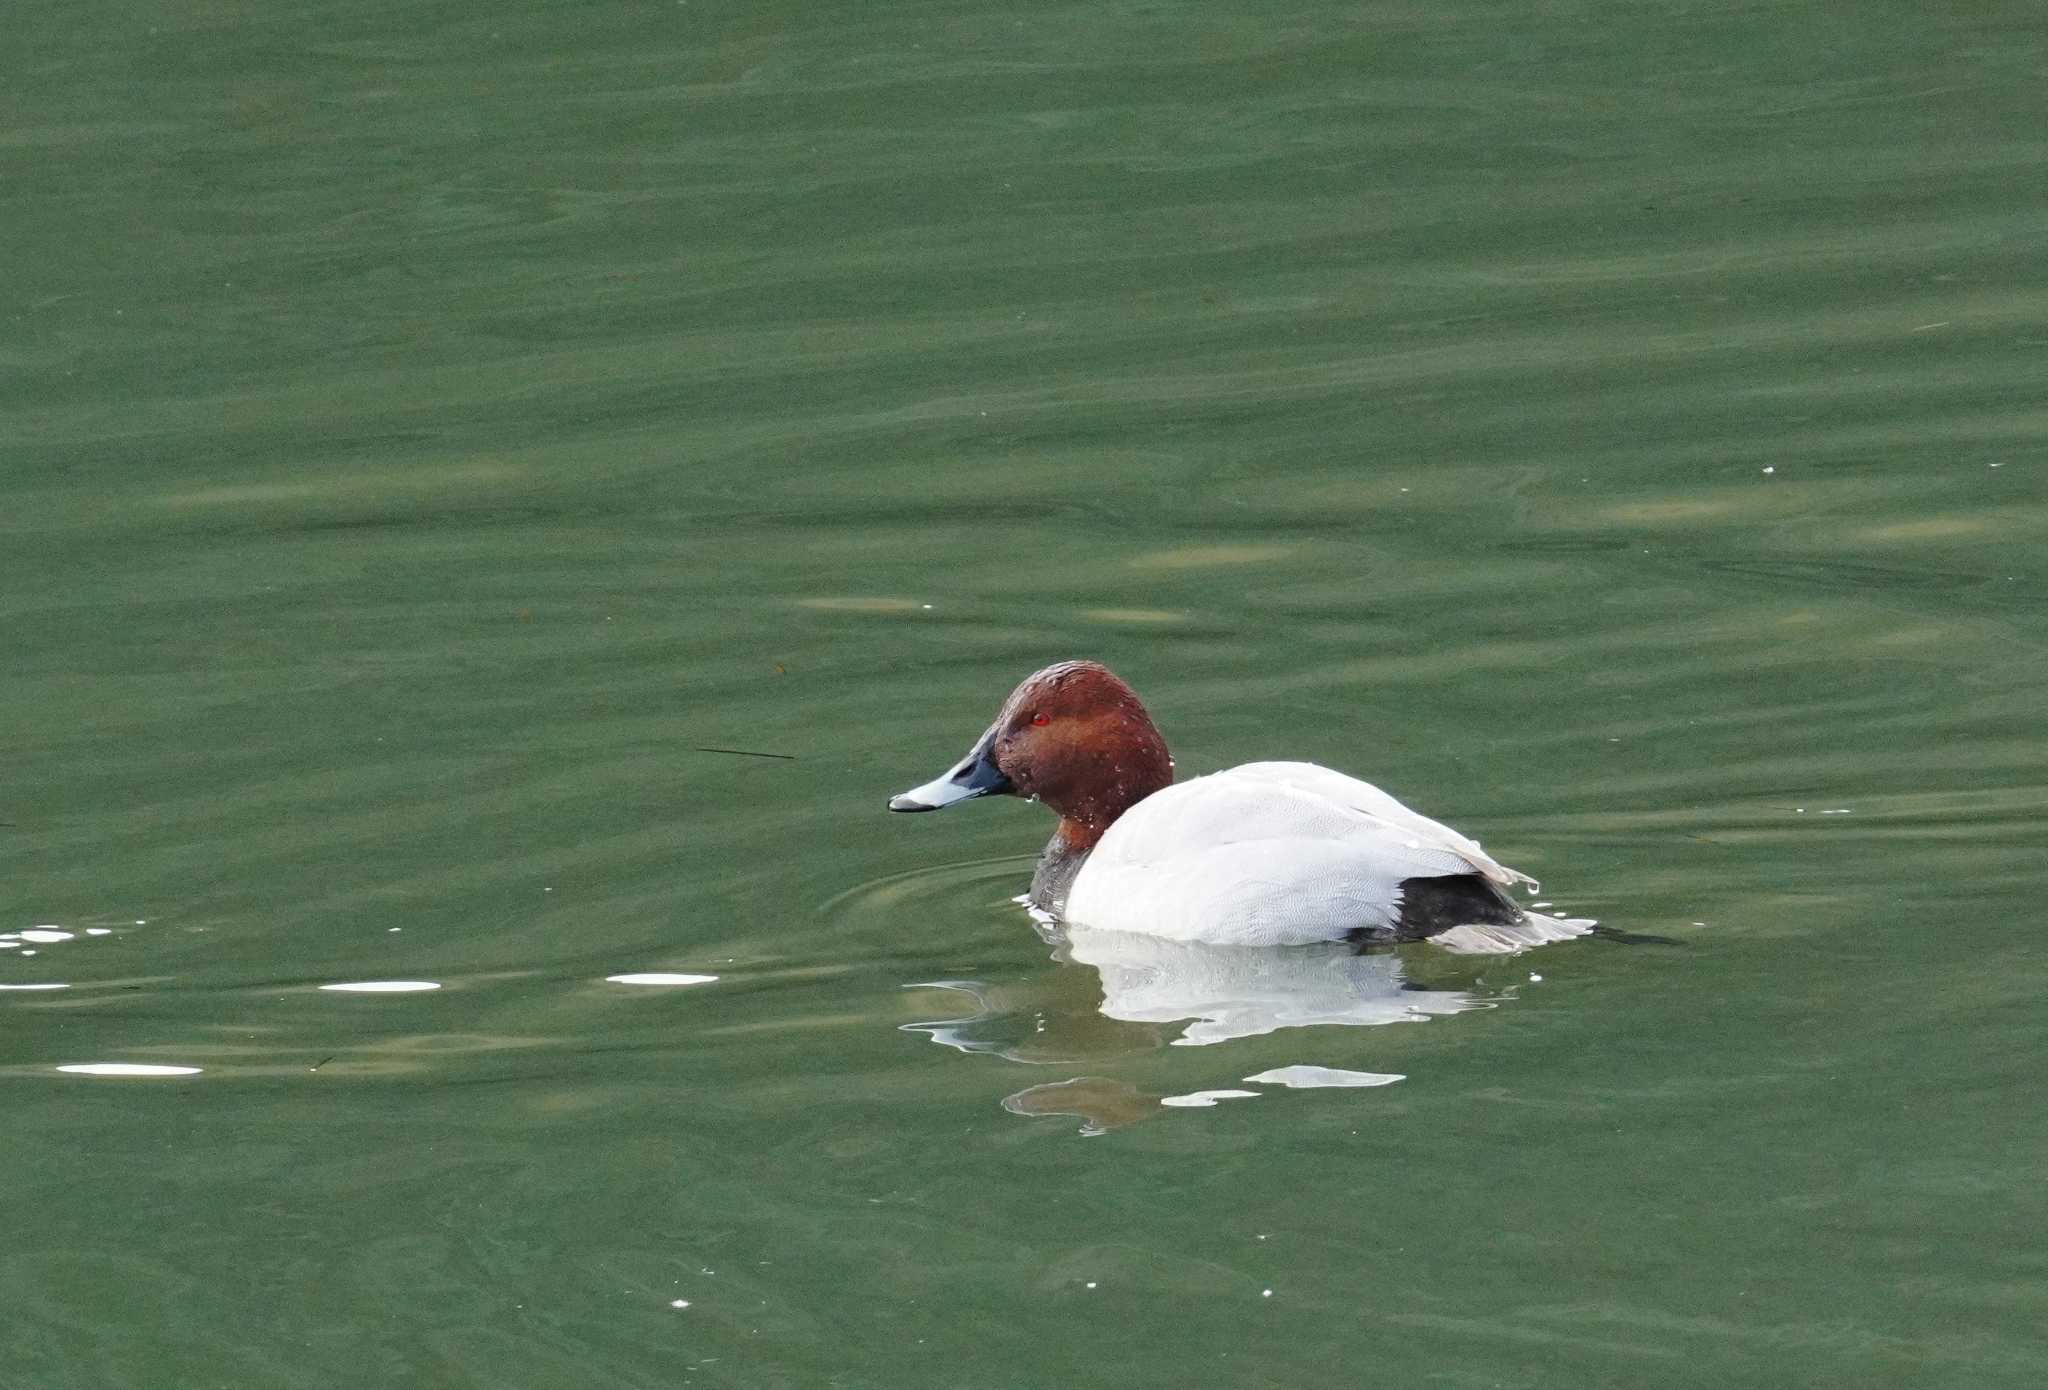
<point x="1267" y="854"/>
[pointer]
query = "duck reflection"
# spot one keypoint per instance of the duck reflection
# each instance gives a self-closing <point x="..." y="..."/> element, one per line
<point x="1186" y="993"/>
<point x="1230" y="992"/>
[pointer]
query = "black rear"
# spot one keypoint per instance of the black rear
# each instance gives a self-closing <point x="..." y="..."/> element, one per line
<point x="1431" y="905"/>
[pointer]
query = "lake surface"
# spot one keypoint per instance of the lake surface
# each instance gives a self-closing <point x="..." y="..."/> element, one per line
<point x="428" y="433"/>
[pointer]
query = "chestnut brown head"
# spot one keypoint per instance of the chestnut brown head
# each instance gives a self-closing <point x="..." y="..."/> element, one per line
<point x="1073" y="736"/>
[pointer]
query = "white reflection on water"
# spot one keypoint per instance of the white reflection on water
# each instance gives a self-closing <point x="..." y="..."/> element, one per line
<point x="656" y="977"/>
<point x="1303" y="1077"/>
<point x="958" y="1033"/>
<point x="126" y="1069"/>
<point x="50" y="986"/>
<point x="45" y="934"/>
<point x="1244" y="991"/>
<point x="381" y="986"/>
<point x="1204" y="1099"/>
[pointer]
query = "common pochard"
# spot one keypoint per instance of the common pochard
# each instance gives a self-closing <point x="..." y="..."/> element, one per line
<point x="1267" y="854"/>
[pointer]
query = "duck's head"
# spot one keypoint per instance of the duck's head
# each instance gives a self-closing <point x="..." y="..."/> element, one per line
<point x="1073" y="736"/>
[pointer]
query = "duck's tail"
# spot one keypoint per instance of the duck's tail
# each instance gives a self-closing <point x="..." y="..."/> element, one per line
<point x="1506" y="938"/>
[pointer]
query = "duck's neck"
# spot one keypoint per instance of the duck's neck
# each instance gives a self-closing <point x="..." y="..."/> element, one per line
<point x="1123" y="761"/>
<point x="1059" y="864"/>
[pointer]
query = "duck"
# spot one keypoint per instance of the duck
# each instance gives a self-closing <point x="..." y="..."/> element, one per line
<point x="1264" y="854"/>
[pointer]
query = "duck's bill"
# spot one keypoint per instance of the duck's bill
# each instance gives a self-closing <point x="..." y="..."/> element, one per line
<point x="974" y="775"/>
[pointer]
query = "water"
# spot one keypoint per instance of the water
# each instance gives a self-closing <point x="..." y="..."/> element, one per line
<point x="1615" y="429"/>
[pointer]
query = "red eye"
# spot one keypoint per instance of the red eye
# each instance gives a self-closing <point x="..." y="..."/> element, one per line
<point x="1039" y="721"/>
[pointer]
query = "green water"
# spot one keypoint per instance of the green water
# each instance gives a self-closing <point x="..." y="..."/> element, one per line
<point x="1617" y="429"/>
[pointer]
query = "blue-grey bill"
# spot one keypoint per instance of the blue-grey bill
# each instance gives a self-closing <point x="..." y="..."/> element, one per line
<point x="974" y="775"/>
